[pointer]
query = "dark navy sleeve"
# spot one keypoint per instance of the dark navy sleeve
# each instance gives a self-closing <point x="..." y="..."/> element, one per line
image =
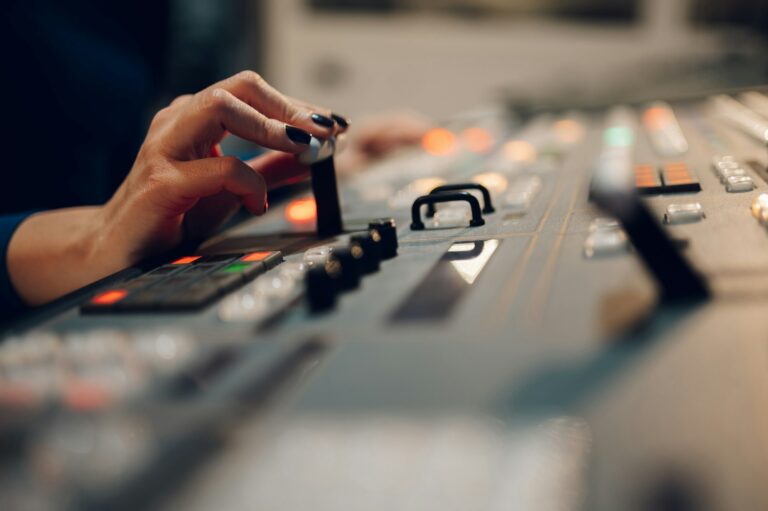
<point x="10" y="303"/>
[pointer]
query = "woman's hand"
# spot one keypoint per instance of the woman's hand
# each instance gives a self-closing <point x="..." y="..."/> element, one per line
<point x="178" y="187"/>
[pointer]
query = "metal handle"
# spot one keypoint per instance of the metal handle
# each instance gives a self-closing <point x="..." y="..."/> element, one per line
<point x="487" y="205"/>
<point x="474" y="204"/>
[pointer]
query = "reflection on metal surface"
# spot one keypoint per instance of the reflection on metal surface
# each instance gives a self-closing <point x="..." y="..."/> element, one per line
<point x="445" y="285"/>
<point x="469" y="269"/>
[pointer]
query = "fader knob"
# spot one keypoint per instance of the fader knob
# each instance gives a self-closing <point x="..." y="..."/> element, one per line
<point x="322" y="285"/>
<point x="387" y="229"/>
<point x="370" y="247"/>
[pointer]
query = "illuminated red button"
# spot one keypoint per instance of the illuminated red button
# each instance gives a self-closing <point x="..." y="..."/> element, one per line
<point x="254" y="257"/>
<point x="186" y="260"/>
<point x="85" y="396"/>
<point x="301" y="211"/>
<point x="109" y="297"/>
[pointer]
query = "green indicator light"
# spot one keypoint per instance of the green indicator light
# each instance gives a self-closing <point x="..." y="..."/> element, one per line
<point x="236" y="268"/>
<point x="618" y="136"/>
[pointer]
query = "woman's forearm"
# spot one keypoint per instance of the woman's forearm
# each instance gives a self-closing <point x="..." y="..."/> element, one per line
<point x="52" y="253"/>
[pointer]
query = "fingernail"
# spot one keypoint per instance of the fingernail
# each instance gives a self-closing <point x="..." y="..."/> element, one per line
<point x="297" y="135"/>
<point x="341" y="121"/>
<point x="322" y="120"/>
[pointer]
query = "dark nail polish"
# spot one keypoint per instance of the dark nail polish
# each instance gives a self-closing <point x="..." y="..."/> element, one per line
<point x="297" y="135"/>
<point x="322" y="120"/>
<point x="341" y="121"/>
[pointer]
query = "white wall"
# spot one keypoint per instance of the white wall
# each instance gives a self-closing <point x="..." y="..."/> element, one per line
<point x="440" y="65"/>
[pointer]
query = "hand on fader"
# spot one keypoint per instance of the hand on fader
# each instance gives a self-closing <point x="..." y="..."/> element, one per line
<point x="179" y="186"/>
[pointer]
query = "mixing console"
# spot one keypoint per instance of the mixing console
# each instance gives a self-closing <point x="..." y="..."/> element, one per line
<point x="558" y="311"/>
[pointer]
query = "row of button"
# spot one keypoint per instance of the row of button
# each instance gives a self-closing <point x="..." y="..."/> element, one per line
<point x="89" y="369"/>
<point x="188" y="283"/>
<point x="732" y="174"/>
<point x="606" y="237"/>
<point x="269" y="292"/>
<point x="331" y="270"/>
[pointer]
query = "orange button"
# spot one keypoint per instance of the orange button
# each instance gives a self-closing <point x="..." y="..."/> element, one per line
<point x="85" y="396"/>
<point x="255" y="257"/>
<point x="301" y="211"/>
<point x="186" y="260"/>
<point x="109" y="297"/>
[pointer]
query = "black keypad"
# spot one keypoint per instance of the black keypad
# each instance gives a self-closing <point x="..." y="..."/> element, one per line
<point x="183" y="286"/>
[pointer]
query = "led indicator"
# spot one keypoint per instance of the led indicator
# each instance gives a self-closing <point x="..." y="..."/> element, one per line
<point x="494" y="181"/>
<point x="618" y="136"/>
<point x="254" y="257"/>
<point x="301" y="211"/>
<point x="568" y="131"/>
<point x="477" y="140"/>
<point x="439" y="142"/>
<point x="520" y="151"/>
<point x="656" y="117"/>
<point x="84" y="396"/>
<point x="109" y="297"/>
<point x="186" y="260"/>
<point x="236" y="268"/>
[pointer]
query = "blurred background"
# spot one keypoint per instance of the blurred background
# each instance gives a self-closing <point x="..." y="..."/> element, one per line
<point x="442" y="56"/>
<point x="96" y="72"/>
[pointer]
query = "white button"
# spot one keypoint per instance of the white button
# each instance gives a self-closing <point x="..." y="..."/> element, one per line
<point x="684" y="213"/>
<point x="719" y="159"/>
<point x="93" y="346"/>
<point x="603" y="223"/>
<point x="295" y="271"/>
<point x="274" y="286"/>
<point x="605" y="242"/>
<point x="403" y="198"/>
<point x="164" y="350"/>
<point x="495" y="182"/>
<point x="243" y="306"/>
<point x="725" y="165"/>
<point x="452" y="216"/>
<point x="317" y="255"/>
<point x="522" y="192"/>
<point x="736" y="184"/>
<point x="734" y="172"/>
